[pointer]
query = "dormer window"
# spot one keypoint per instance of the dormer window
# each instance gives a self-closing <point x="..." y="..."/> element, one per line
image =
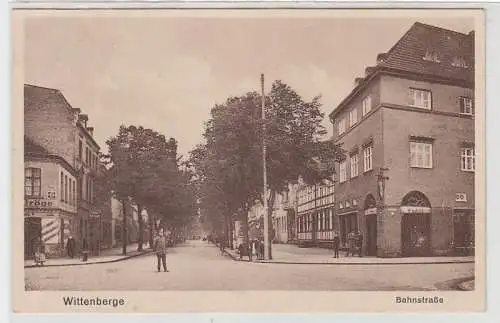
<point x="459" y="62"/>
<point x="431" y="56"/>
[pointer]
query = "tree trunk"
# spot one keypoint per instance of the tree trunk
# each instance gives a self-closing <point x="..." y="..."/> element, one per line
<point x="141" y="227"/>
<point x="230" y="223"/>
<point x="270" y="205"/>
<point x="246" y="227"/>
<point x="150" y="220"/>
<point x="124" y="228"/>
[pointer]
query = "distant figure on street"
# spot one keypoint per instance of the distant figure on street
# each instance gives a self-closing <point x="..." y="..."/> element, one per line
<point x="336" y="244"/>
<point x="85" y="250"/>
<point x="359" y="241"/>
<point x="160" y="248"/>
<point x="70" y="246"/>
<point x="39" y="252"/>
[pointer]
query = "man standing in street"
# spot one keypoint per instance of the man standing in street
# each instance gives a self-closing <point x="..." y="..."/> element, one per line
<point x="160" y="248"/>
<point x="336" y="244"/>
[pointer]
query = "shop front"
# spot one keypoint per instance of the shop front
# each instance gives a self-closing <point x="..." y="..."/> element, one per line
<point x="463" y="231"/>
<point x="416" y="215"/>
<point x="348" y="224"/>
<point x="370" y="215"/>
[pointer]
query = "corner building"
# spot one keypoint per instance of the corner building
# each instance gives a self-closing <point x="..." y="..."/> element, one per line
<point x="53" y="125"/>
<point x="408" y="132"/>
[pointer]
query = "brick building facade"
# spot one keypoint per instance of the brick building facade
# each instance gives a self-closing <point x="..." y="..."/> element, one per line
<point x="62" y="131"/>
<point x="408" y="130"/>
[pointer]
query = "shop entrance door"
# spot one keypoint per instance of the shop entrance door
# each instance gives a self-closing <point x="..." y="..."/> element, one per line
<point x="416" y="229"/>
<point x="32" y="232"/>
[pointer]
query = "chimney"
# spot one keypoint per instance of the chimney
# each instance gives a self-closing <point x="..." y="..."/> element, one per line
<point x="381" y="57"/>
<point x="369" y="70"/>
<point x="83" y="118"/>
<point x="357" y="81"/>
<point x="91" y="131"/>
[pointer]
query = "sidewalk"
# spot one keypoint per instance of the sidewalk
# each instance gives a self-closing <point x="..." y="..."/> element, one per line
<point x="107" y="255"/>
<point x="292" y="254"/>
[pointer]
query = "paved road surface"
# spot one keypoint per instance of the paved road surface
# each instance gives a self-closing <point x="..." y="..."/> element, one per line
<point x="198" y="265"/>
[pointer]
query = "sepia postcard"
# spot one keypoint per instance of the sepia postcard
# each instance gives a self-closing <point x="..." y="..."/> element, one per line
<point x="278" y="161"/>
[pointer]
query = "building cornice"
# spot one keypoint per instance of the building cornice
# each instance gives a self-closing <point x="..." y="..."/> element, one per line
<point x="396" y="73"/>
<point x="53" y="158"/>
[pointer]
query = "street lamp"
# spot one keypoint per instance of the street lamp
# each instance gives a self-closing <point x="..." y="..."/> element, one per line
<point x="381" y="178"/>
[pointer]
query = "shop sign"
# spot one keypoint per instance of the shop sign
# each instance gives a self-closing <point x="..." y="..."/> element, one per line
<point x="415" y="209"/>
<point x="371" y="211"/>
<point x="95" y="214"/>
<point x="37" y="203"/>
<point x="460" y="197"/>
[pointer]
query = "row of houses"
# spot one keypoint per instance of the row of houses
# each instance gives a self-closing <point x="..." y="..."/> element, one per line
<point x="65" y="190"/>
<point x="407" y="180"/>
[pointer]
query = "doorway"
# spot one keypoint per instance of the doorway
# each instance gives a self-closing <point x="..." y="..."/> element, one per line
<point x="415" y="225"/>
<point x="32" y="232"/>
<point x="371" y="235"/>
<point x="348" y="224"/>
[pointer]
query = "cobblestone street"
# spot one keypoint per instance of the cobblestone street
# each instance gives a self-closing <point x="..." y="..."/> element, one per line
<point x="199" y="265"/>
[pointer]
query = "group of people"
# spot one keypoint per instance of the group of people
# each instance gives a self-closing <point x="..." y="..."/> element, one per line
<point x="354" y="244"/>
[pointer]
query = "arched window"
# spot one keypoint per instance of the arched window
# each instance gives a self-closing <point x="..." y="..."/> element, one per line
<point x="416" y="198"/>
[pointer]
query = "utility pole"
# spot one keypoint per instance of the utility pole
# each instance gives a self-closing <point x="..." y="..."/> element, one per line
<point x="267" y="242"/>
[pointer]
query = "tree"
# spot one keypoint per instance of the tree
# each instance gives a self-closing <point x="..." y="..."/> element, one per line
<point x="231" y="160"/>
<point x="142" y="162"/>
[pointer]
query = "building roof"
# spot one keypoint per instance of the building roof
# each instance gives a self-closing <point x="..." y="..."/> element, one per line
<point x="34" y="151"/>
<point x="407" y="57"/>
<point x="31" y="147"/>
<point x="407" y="54"/>
<point x="35" y="93"/>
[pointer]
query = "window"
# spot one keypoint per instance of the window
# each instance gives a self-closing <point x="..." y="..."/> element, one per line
<point x="86" y="155"/>
<point x="80" y="150"/>
<point x="341" y="126"/>
<point x="468" y="162"/>
<point x="354" y="165"/>
<point x="466" y="106"/>
<point x="343" y="171"/>
<point x="367" y="105"/>
<point x="421" y="99"/>
<point x="421" y="154"/>
<point x="65" y="188"/>
<point x="70" y="191"/>
<point x="368" y="158"/>
<point x="62" y="187"/>
<point x="32" y="181"/>
<point x="353" y="117"/>
<point x="431" y="56"/>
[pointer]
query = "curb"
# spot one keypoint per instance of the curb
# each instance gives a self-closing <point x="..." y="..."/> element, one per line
<point x="454" y="284"/>
<point x="460" y="286"/>
<point x="91" y="262"/>
<point x="352" y="263"/>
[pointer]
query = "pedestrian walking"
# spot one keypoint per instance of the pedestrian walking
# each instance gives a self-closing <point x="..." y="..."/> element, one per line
<point x="160" y="248"/>
<point x="336" y="244"/>
<point x="70" y="246"/>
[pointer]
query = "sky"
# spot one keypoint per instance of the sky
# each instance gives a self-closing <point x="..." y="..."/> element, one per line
<point x="166" y="73"/>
